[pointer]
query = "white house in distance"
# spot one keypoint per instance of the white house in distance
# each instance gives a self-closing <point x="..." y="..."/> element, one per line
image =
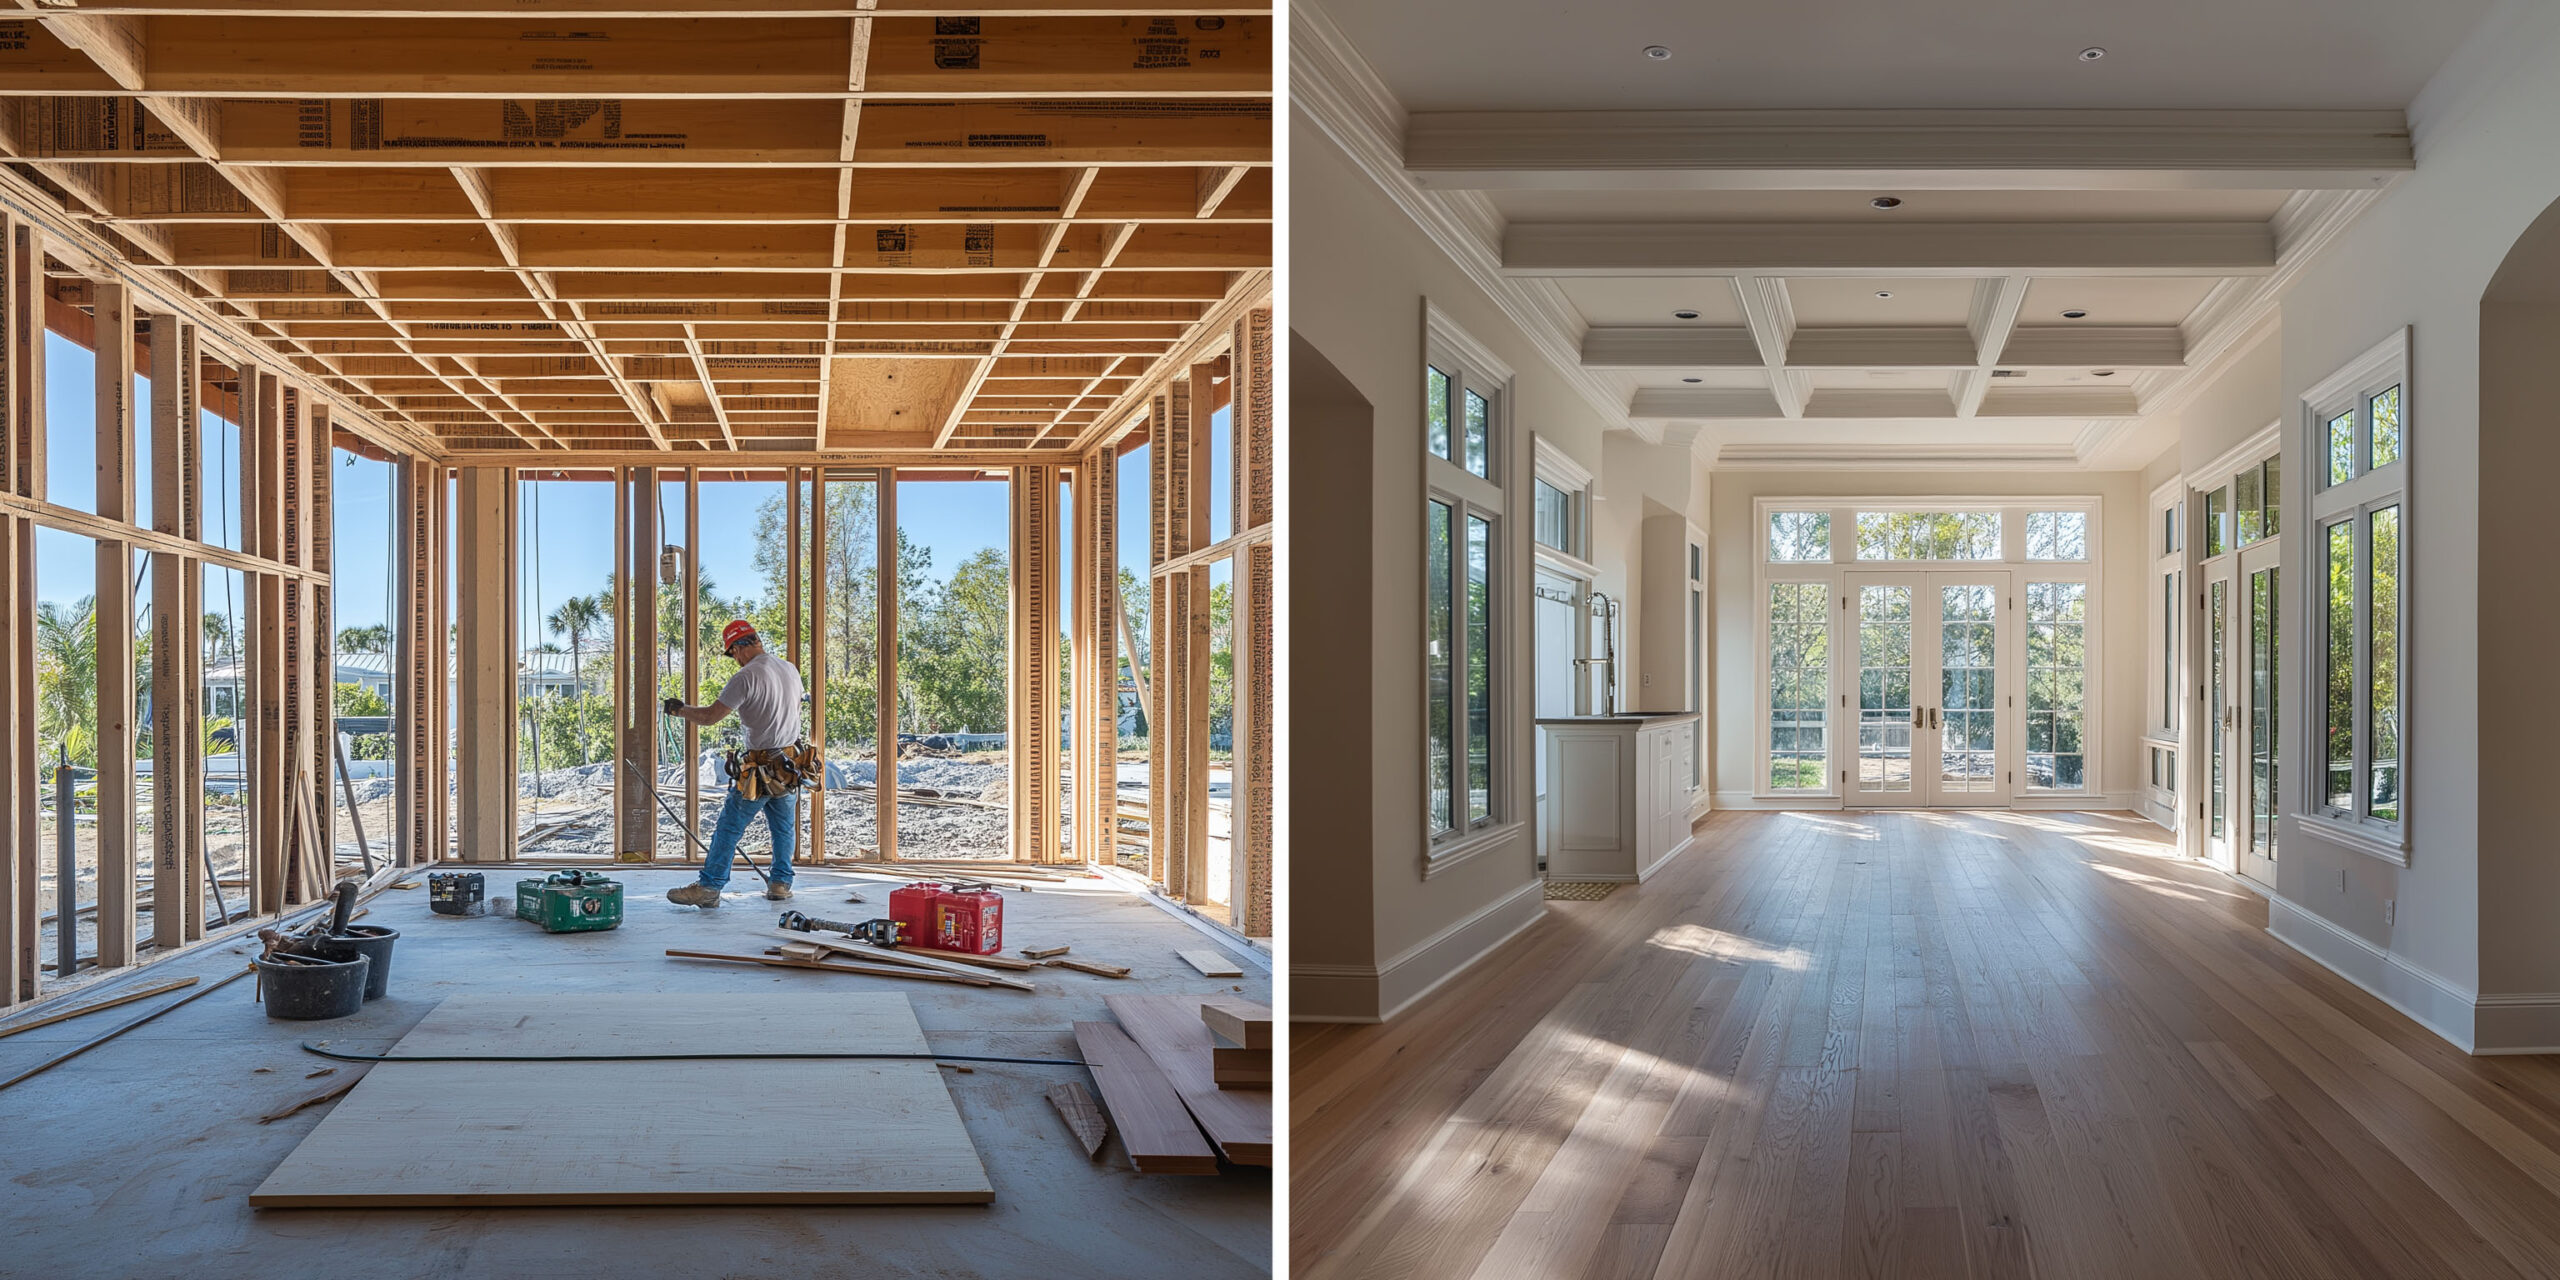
<point x="537" y="672"/>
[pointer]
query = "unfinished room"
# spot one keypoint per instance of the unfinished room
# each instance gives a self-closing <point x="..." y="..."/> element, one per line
<point x="637" y="637"/>
<point x="1949" y="696"/>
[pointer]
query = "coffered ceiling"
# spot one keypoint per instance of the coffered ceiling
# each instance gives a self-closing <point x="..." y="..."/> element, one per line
<point x="1845" y="233"/>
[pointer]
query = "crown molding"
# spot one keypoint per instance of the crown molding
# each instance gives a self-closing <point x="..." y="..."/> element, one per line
<point x="1342" y="95"/>
<point x="1864" y="457"/>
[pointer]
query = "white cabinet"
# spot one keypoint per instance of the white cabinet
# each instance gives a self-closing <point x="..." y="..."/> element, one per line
<point x="1619" y="790"/>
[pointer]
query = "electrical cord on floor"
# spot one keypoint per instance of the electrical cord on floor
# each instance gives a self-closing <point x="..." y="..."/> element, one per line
<point x="309" y="1047"/>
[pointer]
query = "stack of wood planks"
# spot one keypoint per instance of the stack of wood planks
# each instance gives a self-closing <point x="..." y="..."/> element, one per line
<point x="1157" y="1069"/>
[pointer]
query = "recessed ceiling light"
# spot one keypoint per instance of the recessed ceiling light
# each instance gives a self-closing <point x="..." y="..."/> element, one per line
<point x="1684" y="314"/>
<point x="1657" y="52"/>
<point x="1886" y="202"/>
<point x="2075" y="314"/>
<point x="1884" y="293"/>
<point x="2092" y="54"/>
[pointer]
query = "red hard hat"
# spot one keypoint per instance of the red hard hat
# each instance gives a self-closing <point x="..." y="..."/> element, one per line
<point x="737" y="630"/>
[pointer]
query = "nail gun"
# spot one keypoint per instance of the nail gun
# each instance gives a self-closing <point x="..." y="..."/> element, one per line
<point x="884" y="933"/>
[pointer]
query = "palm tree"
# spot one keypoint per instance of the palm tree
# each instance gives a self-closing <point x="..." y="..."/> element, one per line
<point x="577" y="616"/>
<point x="375" y="640"/>
<point x="67" y="675"/>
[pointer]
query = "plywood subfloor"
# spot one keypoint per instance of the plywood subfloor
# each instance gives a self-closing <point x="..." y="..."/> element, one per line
<point x="138" y="1158"/>
<point x="1916" y="1044"/>
<point x="567" y="1133"/>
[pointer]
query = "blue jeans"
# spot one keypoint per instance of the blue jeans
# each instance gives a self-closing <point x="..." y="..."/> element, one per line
<point x="781" y="817"/>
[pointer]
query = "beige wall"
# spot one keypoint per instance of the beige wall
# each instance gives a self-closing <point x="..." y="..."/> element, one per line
<point x="1361" y="271"/>
<point x="2472" y="913"/>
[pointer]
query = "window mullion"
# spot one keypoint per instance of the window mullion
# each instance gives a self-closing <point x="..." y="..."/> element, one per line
<point x="2361" y="523"/>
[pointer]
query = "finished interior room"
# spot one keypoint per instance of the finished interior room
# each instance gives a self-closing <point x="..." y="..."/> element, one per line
<point x="1952" y="674"/>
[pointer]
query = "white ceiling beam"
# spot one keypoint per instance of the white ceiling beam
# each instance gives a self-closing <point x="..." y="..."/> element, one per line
<point x="1770" y="313"/>
<point x="1705" y="402"/>
<point x="1996" y="304"/>
<point x="2095" y="347"/>
<point x="1886" y="347"/>
<point x="1880" y="402"/>
<point x="1623" y="347"/>
<point x="1864" y="249"/>
<point x="1907" y="150"/>
<point x="2059" y="402"/>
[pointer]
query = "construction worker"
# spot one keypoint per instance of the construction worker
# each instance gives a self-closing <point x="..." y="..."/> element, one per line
<point x="765" y="696"/>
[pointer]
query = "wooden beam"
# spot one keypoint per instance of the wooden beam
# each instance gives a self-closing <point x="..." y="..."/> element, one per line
<point x="1558" y="249"/>
<point x="816" y="730"/>
<point x="1116" y="57"/>
<point x="1900" y="150"/>
<point x="636" y="755"/>
<point x="1256" y="757"/>
<point x="884" y="804"/>
<point x="1032" y="665"/>
<point x="692" y="657"/>
<point x="116" y="811"/>
<point x="485" y="667"/>
<point x="177" y="641"/>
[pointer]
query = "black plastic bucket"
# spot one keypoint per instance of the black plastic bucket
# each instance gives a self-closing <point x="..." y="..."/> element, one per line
<point x="309" y="992"/>
<point x="371" y="941"/>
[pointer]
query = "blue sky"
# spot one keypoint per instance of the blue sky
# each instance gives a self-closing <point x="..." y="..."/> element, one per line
<point x="951" y="520"/>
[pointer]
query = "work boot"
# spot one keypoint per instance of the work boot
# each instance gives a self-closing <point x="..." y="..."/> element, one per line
<point x="696" y="894"/>
<point x="777" y="891"/>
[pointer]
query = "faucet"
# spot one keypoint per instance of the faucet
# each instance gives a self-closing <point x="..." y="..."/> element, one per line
<point x="1608" y="611"/>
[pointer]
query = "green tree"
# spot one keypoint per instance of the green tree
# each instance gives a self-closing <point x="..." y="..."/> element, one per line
<point x="67" y="677"/>
<point x="577" y="616"/>
<point x="374" y="641"/>
<point x="356" y="700"/>
<point x="955" y="655"/>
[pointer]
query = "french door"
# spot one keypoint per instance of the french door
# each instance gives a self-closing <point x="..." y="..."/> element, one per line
<point x="2241" y="710"/>
<point x="1935" y="652"/>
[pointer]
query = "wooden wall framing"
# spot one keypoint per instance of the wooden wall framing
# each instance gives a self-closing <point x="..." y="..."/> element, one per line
<point x="1032" y="662"/>
<point x="1177" y="686"/>
<point x="1095" y="804"/>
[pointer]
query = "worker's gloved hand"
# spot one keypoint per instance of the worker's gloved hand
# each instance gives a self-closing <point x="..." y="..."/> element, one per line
<point x="673" y="705"/>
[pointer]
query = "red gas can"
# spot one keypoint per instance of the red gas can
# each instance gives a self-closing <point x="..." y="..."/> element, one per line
<point x="918" y="910"/>
<point x="972" y="921"/>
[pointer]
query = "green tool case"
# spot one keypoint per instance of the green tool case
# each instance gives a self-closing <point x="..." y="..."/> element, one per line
<point x="570" y="902"/>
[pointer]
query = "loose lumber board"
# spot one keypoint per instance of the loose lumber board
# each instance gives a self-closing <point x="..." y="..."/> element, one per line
<point x="1210" y="963"/>
<point x="867" y="954"/>
<point x="1239" y="1022"/>
<point x="1007" y="963"/>
<point x="1076" y="1106"/>
<point x="1240" y="1068"/>
<point x="876" y="971"/>
<point x="144" y="993"/>
<point x="1154" y="1125"/>
<point x="1170" y="1030"/>
<point x="643" y="1132"/>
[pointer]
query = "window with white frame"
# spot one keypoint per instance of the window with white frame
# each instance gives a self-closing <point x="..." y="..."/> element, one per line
<point x="2358" y="428"/>
<point x="2043" y="548"/>
<point x="1463" y="588"/>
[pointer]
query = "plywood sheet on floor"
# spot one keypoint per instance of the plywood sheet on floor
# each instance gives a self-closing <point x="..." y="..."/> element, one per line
<point x="721" y="1131"/>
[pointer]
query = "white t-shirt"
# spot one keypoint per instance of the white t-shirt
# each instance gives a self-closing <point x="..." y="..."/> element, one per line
<point x="765" y="694"/>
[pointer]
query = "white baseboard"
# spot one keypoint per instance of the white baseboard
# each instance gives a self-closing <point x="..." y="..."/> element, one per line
<point x="1353" y="993"/>
<point x="2517" y="1023"/>
<point x="2428" y="1000"/>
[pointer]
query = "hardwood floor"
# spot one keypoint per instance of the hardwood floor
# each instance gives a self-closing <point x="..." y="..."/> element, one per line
<point x="1916" y="1044"/>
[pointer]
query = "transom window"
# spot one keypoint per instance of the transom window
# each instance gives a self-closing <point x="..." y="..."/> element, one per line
<point x="2359" y="425"/>
<point x="1928" y="535"/>
<point x="1797" y="537"/>
<point x="2057" y="535"/>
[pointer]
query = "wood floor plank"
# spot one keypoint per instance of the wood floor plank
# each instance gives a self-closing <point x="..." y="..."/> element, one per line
<point x="1916" y="1044"/>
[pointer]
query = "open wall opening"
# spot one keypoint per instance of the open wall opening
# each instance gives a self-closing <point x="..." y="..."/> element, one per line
<point x="955" y="771"/>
